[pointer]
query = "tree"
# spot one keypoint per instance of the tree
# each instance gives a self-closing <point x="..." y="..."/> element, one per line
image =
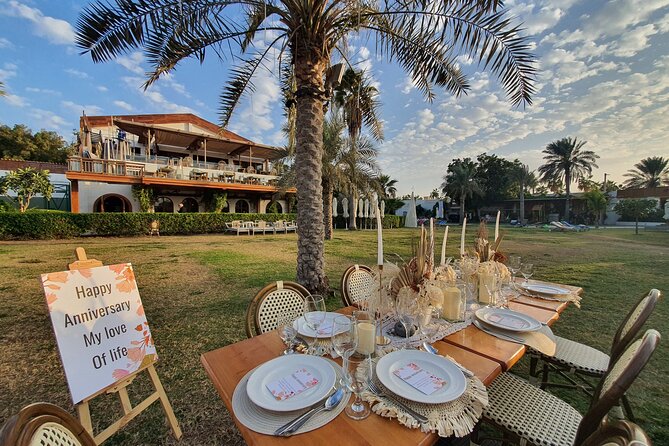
<point x="387" y="186"/>
<point x="494" y="175"/>
<point x="425" y="38"/>
<point x="524" y="178"/>
<point x="434" y="194"/>
<point x="649" y="172"/>
<point x="26" y="183"/>
<point x="460" y="181"/>
<point x="596" y="201"/>
<point x="565" y="161"/>
<point x="144" y="195"/>
<point x="2" y="89"/>
<point x="18" y="142"/>
<point x="636" y="209"/>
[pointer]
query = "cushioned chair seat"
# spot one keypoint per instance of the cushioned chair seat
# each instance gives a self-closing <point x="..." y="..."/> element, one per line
<point x="580" y="357"/>
<point x="531" y="413"/>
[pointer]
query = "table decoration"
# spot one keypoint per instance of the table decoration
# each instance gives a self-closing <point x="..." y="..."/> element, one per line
<point x="542" y="340"/>
<point x="457" y="417"/>
<point x="267" y="421"/>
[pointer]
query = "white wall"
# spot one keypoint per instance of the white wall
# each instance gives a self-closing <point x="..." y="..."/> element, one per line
<point x="89" y="191"/>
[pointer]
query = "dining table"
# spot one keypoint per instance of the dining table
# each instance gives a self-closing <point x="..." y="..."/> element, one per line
<point x="485" y="355"/>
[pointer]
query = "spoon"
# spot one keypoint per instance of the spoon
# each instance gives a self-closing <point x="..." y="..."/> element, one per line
<point x="430" y="349"/>
<point x="330" y="403"/>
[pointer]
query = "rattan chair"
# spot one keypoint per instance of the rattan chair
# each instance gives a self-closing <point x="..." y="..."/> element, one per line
<point x="573" y="360"/>
<point x="526" y="413"/>
<point x="44" y="424"/>
<point x="275" y="299"/>
<point x="618" y="433"/>
<point x="357" y="283"/>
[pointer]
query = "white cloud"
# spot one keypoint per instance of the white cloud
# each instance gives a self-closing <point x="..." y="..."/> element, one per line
<point x="43" y="91"/>
<point x="102" y="88"/>
<point x="124" y="105"/>
<point x="618" y="15"/>
<point x="50" y="121"/>
<point x="78" y="108"/>
<point x="425" y="117"/>
<point x="77" y="73"/>
<point x="5" y="43"/>
<point x="56" y="31"/>
<point x="132" y="62"/>
<point x="631" y="42"/>
<point x="8" y="71"/>
<point x="14" y="100"/>
<point x="154" y="97"/>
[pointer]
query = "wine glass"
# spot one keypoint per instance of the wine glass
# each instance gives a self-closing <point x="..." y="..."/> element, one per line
<point x="314" y="311"/>
<point x="514" y="266"/>
<point x="357" y="372"/>
<point x="527" y="269"/>
<point x="426" y="323"/>
<point x="287" y="333"/>
<point x="406" y="309"/>
<point x="344" y="336"/>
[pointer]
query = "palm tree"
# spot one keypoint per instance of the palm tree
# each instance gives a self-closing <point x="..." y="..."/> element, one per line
<point x="358" y="100"/>
<point x="649" y="172"/>
<point x="565" y="161"/>
<point x="461" y="182"/>
<point x="525" y="179"/>
<point x="388" y="189"/>
<point x="2" y="89"/>
<point x="425" y="38"/>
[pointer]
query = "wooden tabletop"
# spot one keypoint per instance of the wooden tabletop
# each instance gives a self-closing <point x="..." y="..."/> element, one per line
<point x="485" y="355"/>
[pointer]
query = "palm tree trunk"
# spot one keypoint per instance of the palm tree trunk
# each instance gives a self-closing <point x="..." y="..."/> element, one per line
<point x="309" y="69"/>
<point x="522" y="203"/>
<point x="567" y="184"/>
<point x="462" y="208"/>
<point x="328" y="191"/>
<point x="354" y="203"/>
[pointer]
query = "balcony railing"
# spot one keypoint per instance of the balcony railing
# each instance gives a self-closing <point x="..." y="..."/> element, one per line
<point x="214" y="172"/>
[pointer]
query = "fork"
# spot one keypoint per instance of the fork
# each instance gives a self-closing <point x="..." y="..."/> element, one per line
<point x="381" y="394"/>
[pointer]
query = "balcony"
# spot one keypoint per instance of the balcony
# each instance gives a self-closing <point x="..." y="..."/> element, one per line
<point x="170" y="172"/>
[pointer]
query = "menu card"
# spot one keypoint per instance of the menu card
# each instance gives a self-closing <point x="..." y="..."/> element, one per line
<point x="507" y="321"/>
<point x="325" y="328"/>
<point x="294" y="384"/>
<point x="420" y="379"/>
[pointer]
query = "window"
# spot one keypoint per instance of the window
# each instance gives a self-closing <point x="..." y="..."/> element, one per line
<point x="242" y="207"/>
<point x="191" y="205"/>
<point x="274" y="208"/>
<point x="163" y="204"/>
<point x="112" y="203"/>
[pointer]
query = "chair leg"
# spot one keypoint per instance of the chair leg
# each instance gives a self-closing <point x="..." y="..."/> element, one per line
<point x="544" y="376"/>
<point x="628" y="409"/>
<point x="534" y="361"/>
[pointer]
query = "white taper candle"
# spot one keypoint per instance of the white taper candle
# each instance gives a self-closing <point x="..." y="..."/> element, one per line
<point x="462" y="237"/>
<point x="379" y="237"/>
<point x="496" y="227"/>
<point x="443" y="247"/>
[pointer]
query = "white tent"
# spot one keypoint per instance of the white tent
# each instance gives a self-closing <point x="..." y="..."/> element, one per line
<point x="361" y="208"/>
<point x="344" y="205"/>
<point x="440" y="210"/>
<point x="383" y="208"/>
<point x="334" y="206"/>
<point x="368" y="207"/>
<point x="411" y="220"/>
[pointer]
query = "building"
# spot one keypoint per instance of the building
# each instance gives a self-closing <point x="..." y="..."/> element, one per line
<point x="182" y="158"/>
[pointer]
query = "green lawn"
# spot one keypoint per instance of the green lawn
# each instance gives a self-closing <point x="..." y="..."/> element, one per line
<point x="195" y="291"/>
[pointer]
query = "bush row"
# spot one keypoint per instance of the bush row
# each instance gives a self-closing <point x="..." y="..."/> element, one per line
<point x="54" y="225"/>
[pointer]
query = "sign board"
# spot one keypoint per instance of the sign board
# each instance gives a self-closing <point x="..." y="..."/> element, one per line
<point x="100" y="326"/>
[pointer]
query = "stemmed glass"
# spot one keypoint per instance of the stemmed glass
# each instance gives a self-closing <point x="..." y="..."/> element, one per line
<point x="344" y="336"/>
<point x="514" y="267"/>
<point x="314" y="311"/>
<point x="284" y="323"/>
<point x="406" y="309"/>
<point x="527" y="269"/>
<point x="425" y="323"/>
<point x="357" y="372"/>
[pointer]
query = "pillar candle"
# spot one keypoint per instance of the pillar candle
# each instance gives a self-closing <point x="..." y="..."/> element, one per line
<point x="452" y="307"/>
<point x="366" y="337"/>
<point x="462" y="237"/>
<point x="496" y="227"/>
<point x="486" y="288"/>
<point x="379" y="237"/>
<point x="443" y="247"/>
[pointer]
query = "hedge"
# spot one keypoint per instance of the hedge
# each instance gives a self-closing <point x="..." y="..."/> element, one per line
<point x="55" y="225"/>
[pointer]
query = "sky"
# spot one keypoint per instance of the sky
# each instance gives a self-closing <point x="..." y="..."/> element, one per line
<point x="604" y="79"/>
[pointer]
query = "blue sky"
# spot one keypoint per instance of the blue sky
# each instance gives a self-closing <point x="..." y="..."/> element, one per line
<point x="604" y="79"/>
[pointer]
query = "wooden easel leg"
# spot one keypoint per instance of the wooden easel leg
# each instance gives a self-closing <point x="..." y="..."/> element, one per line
<point x="85" y="417"/>
<point x="167" y="407"/>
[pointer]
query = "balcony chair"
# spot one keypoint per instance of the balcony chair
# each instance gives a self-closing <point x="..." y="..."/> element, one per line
<point x="277" y="298"/>
<point x="44" y="424"/>
<point x="527" y="414"/>
<point x="573" y="360"/>
<point x="357" y="283"/>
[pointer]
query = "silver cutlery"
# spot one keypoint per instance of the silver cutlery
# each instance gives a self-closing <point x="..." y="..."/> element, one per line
<point x="430" y="349"/>
<point x="504" y="336"/>
<point x="378" y="392"/>
<point x="292" y="426"/>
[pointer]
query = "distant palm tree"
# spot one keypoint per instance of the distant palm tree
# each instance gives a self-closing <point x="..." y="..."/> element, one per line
<point x="649" y="172"/>
<point x="525" y="179"/>
<point x="387" y="186"/>
<point x="2" y="89"/>
<point x="461" y="182"/>
<point x="565" y="161"/>
<point x="425" y="38"/>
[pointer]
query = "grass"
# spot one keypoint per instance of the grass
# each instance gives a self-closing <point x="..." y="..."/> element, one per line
<point x="195" y="291"/>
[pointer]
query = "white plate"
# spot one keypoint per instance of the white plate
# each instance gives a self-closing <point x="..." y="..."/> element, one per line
<point x="437" y="365"/>
<point x="549" y="290"/>
<point x="508" y="319"/>
<point x="302" y="328"/>
<point x="283" y="366"/>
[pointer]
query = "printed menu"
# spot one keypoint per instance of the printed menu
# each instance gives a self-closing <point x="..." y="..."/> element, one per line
<point x="294" y="384"/>
<point x="420" y="379"/>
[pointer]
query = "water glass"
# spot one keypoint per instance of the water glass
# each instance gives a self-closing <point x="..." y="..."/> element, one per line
<point x="344" y="336"/>
<point x="365" y="326"/>
<point x="287" y="333"/>
<point x="407" y="310"/>
<point x="314" y="311"/>
<point x="357" y="372"/>
<point x="527" y="269"/>
<point x="427" y="323"/>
